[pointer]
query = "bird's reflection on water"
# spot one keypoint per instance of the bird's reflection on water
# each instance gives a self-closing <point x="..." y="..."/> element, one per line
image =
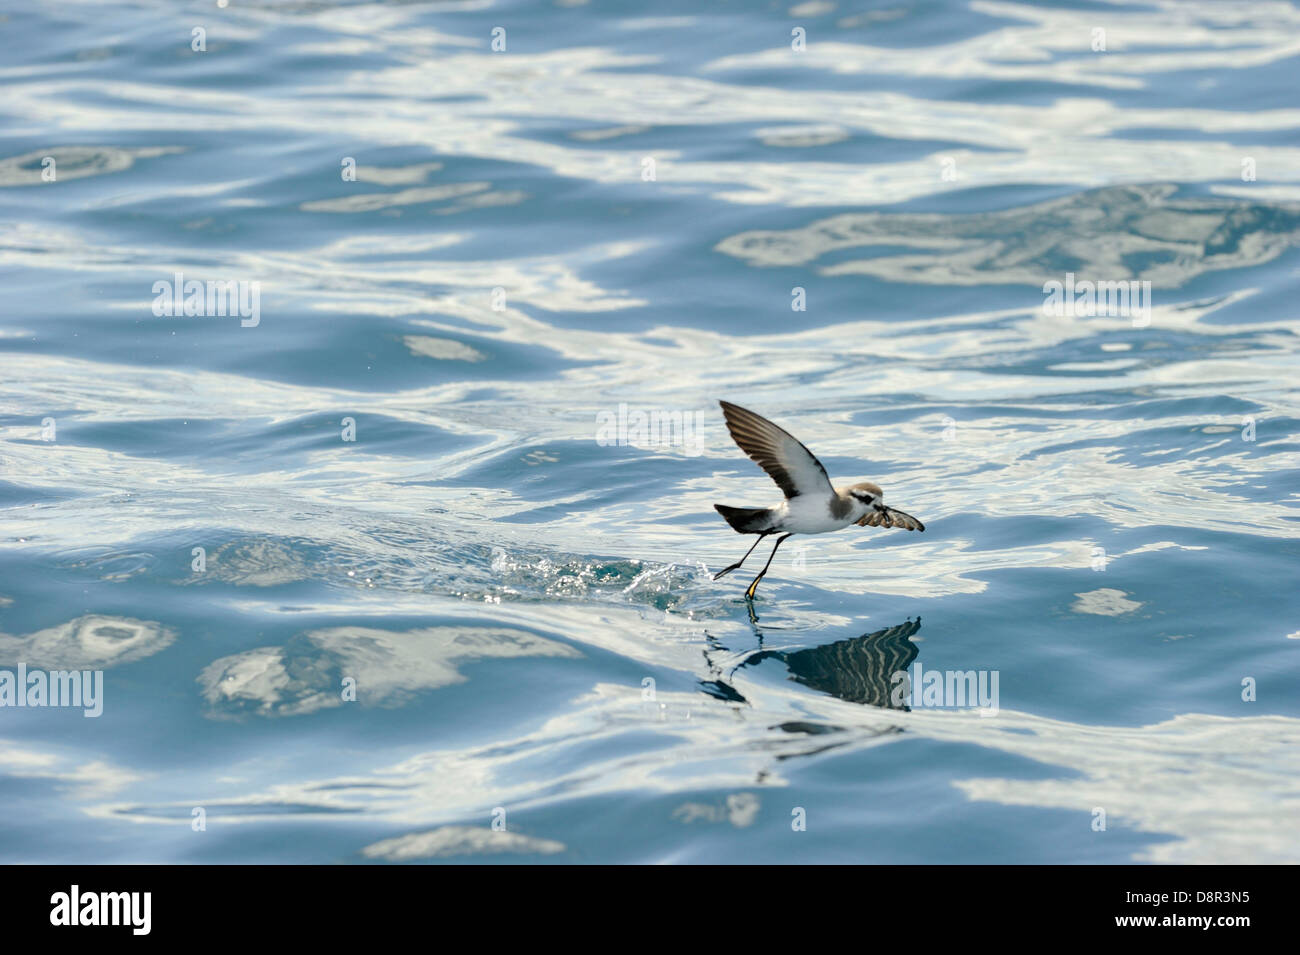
<point x="857" y="670"/>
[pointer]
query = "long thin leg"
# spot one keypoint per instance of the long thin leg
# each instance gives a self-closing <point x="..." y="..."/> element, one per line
<point x="727" y="570"/>
<point x="749" y="594"/>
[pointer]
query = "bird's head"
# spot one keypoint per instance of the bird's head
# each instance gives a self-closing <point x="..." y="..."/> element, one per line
<point x="869" y="496"/>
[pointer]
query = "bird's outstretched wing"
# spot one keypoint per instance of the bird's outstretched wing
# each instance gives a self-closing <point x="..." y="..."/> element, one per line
<point x="792" y="466"/>
<point x="888" y="517"/>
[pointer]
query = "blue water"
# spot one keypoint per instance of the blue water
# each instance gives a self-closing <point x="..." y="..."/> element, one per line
<point x="390" y="477"/>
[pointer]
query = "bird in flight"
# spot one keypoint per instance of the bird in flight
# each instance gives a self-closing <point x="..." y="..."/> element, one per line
<point x="811" y="505"/>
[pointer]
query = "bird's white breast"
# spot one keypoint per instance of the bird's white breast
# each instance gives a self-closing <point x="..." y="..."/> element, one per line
<point x="807" y="514"/>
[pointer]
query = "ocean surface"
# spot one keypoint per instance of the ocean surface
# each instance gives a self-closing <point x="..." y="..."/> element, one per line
<point x="403" y="550"/>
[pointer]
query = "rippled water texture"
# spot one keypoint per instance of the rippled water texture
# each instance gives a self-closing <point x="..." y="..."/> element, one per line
<point x="383" y="474"/>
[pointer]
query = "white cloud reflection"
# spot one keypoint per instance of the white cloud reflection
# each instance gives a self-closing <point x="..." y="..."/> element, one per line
<point x="459" y="841"/>
<point x="90" y="642"/>
<point x="388" y="667"/>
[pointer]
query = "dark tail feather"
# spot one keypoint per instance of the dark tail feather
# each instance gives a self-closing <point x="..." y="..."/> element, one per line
<point x="745" y="520"/>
